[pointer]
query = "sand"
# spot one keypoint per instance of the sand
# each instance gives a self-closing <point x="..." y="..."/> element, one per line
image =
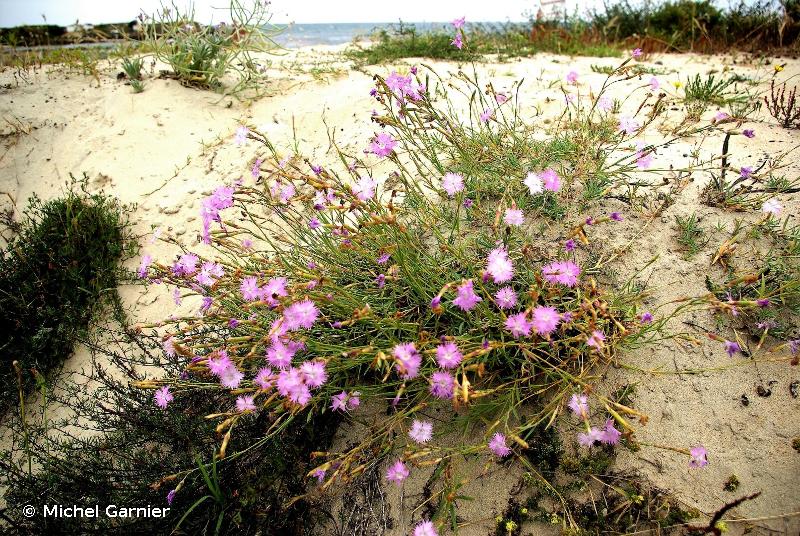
<point x="165" y="148"/>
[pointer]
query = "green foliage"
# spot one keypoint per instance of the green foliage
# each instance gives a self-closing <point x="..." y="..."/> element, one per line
<point x="201" y="56"/>
<point x="55" y="274"/>
<point x="132" y="67"/>
<point x="690" y="233"/>
<point x="712" y="90"/>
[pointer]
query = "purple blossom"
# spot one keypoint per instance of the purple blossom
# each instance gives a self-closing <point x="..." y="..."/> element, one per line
<point x="452" y="183"/>
<point x="519" y="325"/>
<point x="458" y="23"/>
<point x="383" y="259"/>
<point x="506" y="298"/>
<point x="339" y="402"/>
<point x="637" y="53"/>
<point x="457" y="42"/>
<point x="499" y="266"/>
<point x="610" y="434"/>
<point x="231" y="377"/>
<point x="588" y="439"/>
<point x="513" y="217"/>
<point x="256" y="171"/>
<point x="275" y="288"/>
<point x="749" y="133"/>
<point x="545" y="320"/>
<point x="186" y="265"/>
<point x="407" y="360"/>
<point x="569" y="245"/>
<point x="498" y="445"/>
<point x="280" y="355"/>
<point x="163" y="397"/>
<point x="442" y="384"/>
<point x="654" y="84"/>
<point x="265" y="379"/>
<point x="383" y="145"/>
<point x="448" y="355"/>
<point x="746" y="172"/>
<point x="250" y="289"/>
<point x="146" y="261"/>
<point x="397" y="472"/>
<point x="572" y="77"/>
<point x="616" y="216"/>
<point x="466" y="298"/>
<point x="245" y="403"/>
<point x="171" y="496"/>
<point x="314" y="374"/>
<point x="579" y="405"/>
<point x="486" y="115"/>
<point x="314" y="224"/>
<point x="365" y="188"/>
<point x="564" y="272"/>
<point x="380" y="280"/>
<point x="772" y="207"/>
<point x="301" y="314"/>
<point x="421" y="431"/>
<point x="731" y="348"/>
<point x="647" y="317"/>
<point x="698" y="457"/>
<point x="551" y="180"/>
<point x="628" y="125"/>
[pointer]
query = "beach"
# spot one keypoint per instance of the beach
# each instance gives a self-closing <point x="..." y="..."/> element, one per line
<point x="161" y="151"/>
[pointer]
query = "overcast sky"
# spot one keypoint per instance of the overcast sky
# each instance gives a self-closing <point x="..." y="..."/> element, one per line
<point x="63" y="12"/>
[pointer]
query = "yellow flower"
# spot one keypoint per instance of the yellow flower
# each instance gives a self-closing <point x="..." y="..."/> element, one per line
<point x="778" y="68"/>
<point x="510" y="526"/>
<point x="524" y="511"/>
<point x="677" y="84"/>
<point x="499" y="519"/>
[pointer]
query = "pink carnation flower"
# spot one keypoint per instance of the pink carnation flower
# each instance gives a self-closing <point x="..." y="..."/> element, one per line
<point x="453" y="183"/>
<point x="498" y="445"/>
<point x="518" y="325"/>
<point x="506" y="298"/>
<point x="245" y="403"/>
<point x="421" y="431"/>
<point x="579" y="406"/>
<point x="513" y="216"/>
<point x="551" y="180"/>
<point x="596" y="339"/>
<point x="301" y="314"/>
<point x="442" y="384"/>
<point x="545" y="320"/>
<point x="383" y="145"/>
<point x="698" y="457"/>
<point x="407" y="360"/>
<point x="499" y="265"/>
<point x="397" y="472"/>
<point x="425" y="528"/>
<point x="465" y="296"/>
<point x="448" y="355"/>
<point x="163" y="397"/>
<point x="564" y="272"/>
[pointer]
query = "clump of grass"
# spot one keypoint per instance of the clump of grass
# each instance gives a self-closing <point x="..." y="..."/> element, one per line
<point x="132" y="67"/>
<point x="55" y="275"/>
<point x="690" y="234"/>
<point x="711" y="90"/>
<point x="404" y="41"/>
<point x="201" y="56"/>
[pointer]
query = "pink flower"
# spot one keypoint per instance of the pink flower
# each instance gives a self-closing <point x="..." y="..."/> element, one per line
<point x="314" y="373"/>
<point x="383" y="145"/>
<point x="264" y="379"/>
<point x="404" y="87"/>
<point x="163" y="397"/>
<point x="746" y="172"/>
<point x="698" y="457"/>
<point x="572" y="77"/>
<point x="458" y="23"/>
<point x="654" y="85"/>
<point x="365" y="188"/>
<point x="397" y="472"/>
<point x="421" y="431"/>
<point x="749" y="133"/>
<point x="498" y="445"/>
<point x="442" y="384"/>
<point x="628" y="125"/>
<point x="407" y="360"/>
<point x="425" y="528"/>
<point x="245" y="403"/>
<point x="486" y="115"/>
<point x="453" y="183"/>
<point x="506" y="298"/>
<point x="604" y="104"/>
<point x="275" y="288"/>
<point x="169" y="346"/>
<point x="499" y="266"/>
<point x="339" y="402"/>
<point x="569" y="245"/>
<point x="218" y="365"/>
<point x="514" y="216"/>
<point x="280" y="355"/>
<point x="301" y="315"/>
<point x="596" y="339"/>
<point x="731" y="348"/>
<point x="448" y="355"/>
<point x="250" y="289"/>
<point x="551" y="180"/>
<point x="186" y="265"/>
<point x="240" y="137"/>
<point x="146" y="261"/>
<point x="300" y="394"/>
<point x="354" y="401"/>
<point x="579" y="406"/>
<point x="610" y="434"/>
<point x="231" y="377"/>
<point x="457" y="42"/>
<point x="465" y="297"/>
<point x="721" y="116"/>
<point x="773" y="207"/>
<point x="518" y="325"/>
<point x="587" y="439"/>
<point x="545" y="320"/>
<point x="637" y="53"/>
<point x="564" y="272"/>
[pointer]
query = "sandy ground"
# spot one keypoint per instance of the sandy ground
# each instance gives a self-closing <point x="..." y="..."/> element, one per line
<point x="165" y="148"/>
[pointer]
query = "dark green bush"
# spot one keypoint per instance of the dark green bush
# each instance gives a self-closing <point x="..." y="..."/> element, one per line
<point x="54" y="275"/>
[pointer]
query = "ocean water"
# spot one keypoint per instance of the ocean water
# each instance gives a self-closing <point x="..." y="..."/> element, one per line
<point x="303" y="35"/>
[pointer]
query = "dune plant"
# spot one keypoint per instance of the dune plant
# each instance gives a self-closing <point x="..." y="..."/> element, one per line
<point x="201" y="55"/>
<point x="59" y="268"/>
<point x="783" y="107"/>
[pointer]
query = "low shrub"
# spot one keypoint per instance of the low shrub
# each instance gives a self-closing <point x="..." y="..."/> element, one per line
<point x="55" y="274"/>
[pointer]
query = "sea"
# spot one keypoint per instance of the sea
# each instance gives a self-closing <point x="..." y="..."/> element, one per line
<point x="303" y="35"/>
